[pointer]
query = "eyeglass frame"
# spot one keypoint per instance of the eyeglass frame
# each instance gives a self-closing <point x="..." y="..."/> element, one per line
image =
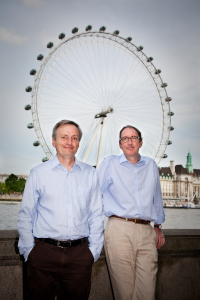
<point x="132" y="140"/>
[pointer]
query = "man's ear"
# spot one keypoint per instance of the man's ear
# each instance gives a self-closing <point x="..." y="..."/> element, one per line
<point x="120" y="145"/>
<point x="141" y="143"/>
<point x="53" y="142"/>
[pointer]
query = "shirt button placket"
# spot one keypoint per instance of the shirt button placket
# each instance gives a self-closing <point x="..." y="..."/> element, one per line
<point x="69" y="206"/>
<point x="136" y="189"/>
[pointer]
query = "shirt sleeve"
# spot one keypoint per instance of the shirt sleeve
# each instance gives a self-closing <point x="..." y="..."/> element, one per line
<point x="26" y="213"/>
<point x="96" y="219"/>
<point x="157" y="201"/>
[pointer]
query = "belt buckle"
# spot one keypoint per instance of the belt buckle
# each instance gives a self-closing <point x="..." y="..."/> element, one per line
<point x="136" y="222"/>
<point x="58" y="244"/>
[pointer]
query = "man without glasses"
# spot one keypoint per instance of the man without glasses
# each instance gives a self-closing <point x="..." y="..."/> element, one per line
<point x="132" y="199"/>
<point x="60" y="221"/>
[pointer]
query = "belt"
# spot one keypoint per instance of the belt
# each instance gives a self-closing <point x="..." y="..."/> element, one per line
<point x="137" y="221"/>
<point x="63" y="244"/>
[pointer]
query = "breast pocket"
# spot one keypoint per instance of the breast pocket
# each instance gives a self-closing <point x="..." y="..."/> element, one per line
<point x="83" y="197"/>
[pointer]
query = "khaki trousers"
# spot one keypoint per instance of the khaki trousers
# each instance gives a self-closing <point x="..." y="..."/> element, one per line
<point x="132" y="259"/>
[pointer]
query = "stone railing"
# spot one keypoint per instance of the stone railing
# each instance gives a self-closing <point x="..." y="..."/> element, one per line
<point x="177" y="278"/>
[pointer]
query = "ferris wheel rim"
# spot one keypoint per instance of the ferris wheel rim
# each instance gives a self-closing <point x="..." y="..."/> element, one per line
<point x="126" y="44"/>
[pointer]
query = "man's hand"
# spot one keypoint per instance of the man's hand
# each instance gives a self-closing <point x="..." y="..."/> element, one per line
<point x="160" y="239"/>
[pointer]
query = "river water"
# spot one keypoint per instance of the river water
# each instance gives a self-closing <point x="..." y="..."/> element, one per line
<point x="176" y="218"/>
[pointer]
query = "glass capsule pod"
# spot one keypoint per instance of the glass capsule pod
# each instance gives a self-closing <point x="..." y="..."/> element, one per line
<point x="116" y="32"/>
<point x="30" y="125"/>
<point x="102" y="28"/>
<point x="157" y="71"/>
<point x="164" y="85"/>
<point x="27" y="107"/>
<point x="36" y="143"/>
<point x="50" y="45"/>
<point x="45" y="159"/>
<point x="75" y="30"/>
<point x="88" y="28"/>
<point x="149" y="59"/>
<point x="28" y="89"/>
<point x="40" y="57"/>
<point x="32" y="72"/>
<point x="61" y="36"/>
<point x="140" y="48"/>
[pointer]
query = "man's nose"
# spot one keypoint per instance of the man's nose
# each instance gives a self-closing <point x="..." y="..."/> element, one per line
<point x="69" y="141"/>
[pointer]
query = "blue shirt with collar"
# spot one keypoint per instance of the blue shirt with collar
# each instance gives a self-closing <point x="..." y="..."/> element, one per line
<point x="131" y="191"/>
<point x="61" y="205"/>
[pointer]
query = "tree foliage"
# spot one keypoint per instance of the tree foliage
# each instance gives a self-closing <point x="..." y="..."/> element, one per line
<point x="15" y="184"/>
<point x="4" y="189"/>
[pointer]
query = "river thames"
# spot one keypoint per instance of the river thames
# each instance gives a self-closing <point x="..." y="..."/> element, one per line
<point x="176" y="218"/>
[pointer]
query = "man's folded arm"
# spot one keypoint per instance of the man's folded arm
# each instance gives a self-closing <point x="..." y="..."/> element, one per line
<point x="25" y="217"/>
<point x="96" y="219"/>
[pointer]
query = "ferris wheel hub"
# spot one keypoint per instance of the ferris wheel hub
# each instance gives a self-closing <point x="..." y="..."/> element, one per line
<point x="104" y="113"/>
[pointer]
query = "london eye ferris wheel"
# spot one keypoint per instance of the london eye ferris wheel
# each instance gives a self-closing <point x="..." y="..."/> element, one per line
<point x="103" y="82"/>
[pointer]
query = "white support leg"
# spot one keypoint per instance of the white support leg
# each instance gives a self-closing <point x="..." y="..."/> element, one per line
<point x="100" y="143"/>
<point x="91" y="142"/>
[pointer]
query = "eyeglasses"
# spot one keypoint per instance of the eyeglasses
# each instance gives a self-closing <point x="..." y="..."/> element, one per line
<point x="133" y="138"/>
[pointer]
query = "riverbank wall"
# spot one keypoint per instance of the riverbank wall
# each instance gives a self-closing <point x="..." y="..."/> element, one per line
<point x="177" y="279"/>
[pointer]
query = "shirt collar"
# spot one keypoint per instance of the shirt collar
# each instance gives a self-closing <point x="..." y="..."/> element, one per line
<point x="140" y="163"/>
<point x="55" y="162"/>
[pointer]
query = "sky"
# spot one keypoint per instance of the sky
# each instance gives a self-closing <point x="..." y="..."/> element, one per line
<point x="168" y="30"/>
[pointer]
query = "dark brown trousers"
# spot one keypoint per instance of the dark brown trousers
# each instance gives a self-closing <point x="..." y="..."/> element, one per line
<point x="51" y="268"/>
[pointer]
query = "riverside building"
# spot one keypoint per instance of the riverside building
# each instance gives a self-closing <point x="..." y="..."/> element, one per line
<point x="179" y="183"/>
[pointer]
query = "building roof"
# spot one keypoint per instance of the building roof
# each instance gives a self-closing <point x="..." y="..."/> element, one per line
<point x="197" y="172"/>
<point x="166" y="171"/>
<point x="179" y="169"/>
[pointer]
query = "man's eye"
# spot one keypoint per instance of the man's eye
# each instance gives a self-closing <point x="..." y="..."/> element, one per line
<point x="75" y="139"/>
<point x="125" y="138"/>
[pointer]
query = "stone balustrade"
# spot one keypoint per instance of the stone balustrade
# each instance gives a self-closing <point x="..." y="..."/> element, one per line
<point x="177" y="279"/>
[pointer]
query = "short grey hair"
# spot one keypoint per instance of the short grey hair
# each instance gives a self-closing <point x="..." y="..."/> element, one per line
<point x="66" y="122"/>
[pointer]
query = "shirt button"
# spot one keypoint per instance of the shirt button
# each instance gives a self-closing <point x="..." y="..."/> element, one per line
<point x="70" y="231"/>
<point x="68" y="187"/>
<point x="70" y="216"/>
<point x="69" y="201"/>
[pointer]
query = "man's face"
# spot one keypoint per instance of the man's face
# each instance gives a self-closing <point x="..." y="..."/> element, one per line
<point x="67" y="140"/>
<point x="130" y="148"/>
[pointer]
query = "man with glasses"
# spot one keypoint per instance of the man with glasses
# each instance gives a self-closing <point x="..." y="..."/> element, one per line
<point x="61" y="221"/>
<point x="132" y="199"/>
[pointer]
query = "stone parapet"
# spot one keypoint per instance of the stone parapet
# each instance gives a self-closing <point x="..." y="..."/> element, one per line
<point x="177" y="278"/>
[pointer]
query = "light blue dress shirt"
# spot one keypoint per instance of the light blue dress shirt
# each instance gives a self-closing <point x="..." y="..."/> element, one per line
<point x="131" y="191"/>
<point x="61" y="205"/>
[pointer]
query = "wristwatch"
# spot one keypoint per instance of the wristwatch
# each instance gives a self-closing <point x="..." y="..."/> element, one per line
<point x="158" y="226"/>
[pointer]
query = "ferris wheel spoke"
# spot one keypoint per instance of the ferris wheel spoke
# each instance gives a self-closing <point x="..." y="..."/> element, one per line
<point x="135" y="92"/>
<point x="79" y="86"/>
<point x="93" y="68"/>
<point x="91" y="86"/>
<point x="129" y="75"/>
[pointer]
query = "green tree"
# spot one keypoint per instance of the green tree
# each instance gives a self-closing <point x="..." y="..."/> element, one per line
<point x="11" y="182"/>
<point x="4" y="189"/>
<point x="20" y="185"/>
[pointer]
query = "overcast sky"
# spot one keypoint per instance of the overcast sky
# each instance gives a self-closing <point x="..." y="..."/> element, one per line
<point x="168" y="30"/>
